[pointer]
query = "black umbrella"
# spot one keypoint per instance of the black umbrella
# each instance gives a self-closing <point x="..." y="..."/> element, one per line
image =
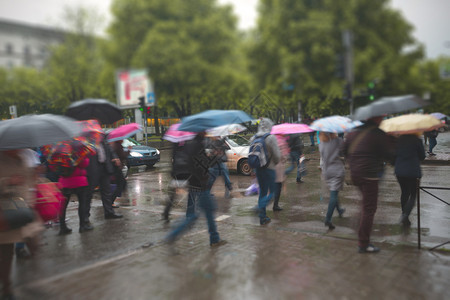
<point x="389" y="105"/>
<point x="36" y="130"/>
<point x="100" y="109"/>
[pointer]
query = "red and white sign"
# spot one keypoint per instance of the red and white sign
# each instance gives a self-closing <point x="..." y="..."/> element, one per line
<point x="131" y="85"/>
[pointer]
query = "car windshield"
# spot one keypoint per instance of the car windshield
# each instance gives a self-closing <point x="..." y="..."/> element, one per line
<point x="237" y="141"/>
<point x="129" y="142"/>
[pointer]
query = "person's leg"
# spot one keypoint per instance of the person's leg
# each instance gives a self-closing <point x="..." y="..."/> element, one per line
<point x="63" y="228"/>
<point x="105" y="192"/>
<point x="120" y="184"/>
<point x="269" y="177"/>
<point x="192" y="197"/>
<point x="292" y="164"/>
<point x="82" y="194"/>
<point x="213" y="174"/>
<point x="190" y="219"/>
<point x="311" y="138"/>
<point x="207" y="205"/>
<point x="369" y="190"/>
<point x="403" y="182"/>
<point x="299" y="175"/>
<point x="331" y="206"/>
<point x="432" y="143"/>
<point x="6" y="258"/>
<point x="263" y="189"/>
<point x="411" y="185"/>
<point x="226" y="176"/>
<point x="277" y="195"/>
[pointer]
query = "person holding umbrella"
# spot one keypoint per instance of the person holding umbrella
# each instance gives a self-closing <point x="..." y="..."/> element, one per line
<point x="366" y="149"/>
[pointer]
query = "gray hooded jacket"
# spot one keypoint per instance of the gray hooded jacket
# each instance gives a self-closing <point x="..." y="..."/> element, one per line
<point x="265" y="126"/>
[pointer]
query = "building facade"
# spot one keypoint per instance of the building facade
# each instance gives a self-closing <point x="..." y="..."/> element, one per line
<point x="24" y="45"/>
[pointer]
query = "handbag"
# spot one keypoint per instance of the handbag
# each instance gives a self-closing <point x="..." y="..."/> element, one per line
<point x="14" y="213"/>
<point x="49" y="200"/>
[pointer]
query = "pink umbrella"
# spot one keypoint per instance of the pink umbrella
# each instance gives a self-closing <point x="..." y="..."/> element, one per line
<point x="175" y="136"/>
<point x="124" y="131"/>
<point x="290" y="128"/>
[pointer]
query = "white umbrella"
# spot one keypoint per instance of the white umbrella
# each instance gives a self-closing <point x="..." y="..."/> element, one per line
<point x="225" y="130"/>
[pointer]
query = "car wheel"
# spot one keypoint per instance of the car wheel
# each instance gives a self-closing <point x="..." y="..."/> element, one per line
<point x="149" y="166"/>
<point x="244" y="168"/>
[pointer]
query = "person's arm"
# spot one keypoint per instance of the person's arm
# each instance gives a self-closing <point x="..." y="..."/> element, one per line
<point x="274" y="149"/>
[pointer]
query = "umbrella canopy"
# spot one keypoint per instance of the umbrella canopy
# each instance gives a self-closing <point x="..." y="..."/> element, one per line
<point x="438" y="115"/>
<point x="36" y="130"/>
<point x="124" y="131"/>
<point x="100" y="109"/>
<point x="212" y="118"/>
<point x="71" y="152"/>
<point x="410" y="123"/>
<point x="389" y="105"/>
<point x="290" y="128"/>
<point x="334" y="124"/>
<point x="225" y="130"/>
<point x="176" y="136"/>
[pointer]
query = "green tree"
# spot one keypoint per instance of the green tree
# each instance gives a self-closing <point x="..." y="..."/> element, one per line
<point x="189" y="47"/>
<point x="297" y="41"/>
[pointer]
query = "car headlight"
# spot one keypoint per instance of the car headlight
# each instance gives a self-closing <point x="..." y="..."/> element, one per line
<point x="157" y="151"/>
<point x="136" y="154"/>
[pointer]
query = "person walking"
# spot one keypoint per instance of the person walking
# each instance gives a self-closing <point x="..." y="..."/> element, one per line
<point x="120" y="180"/>
<point x="16" y="181"/>
<point x="217" y="149"/>
<point x="75" y="183"/>
<point x="280" y="174"/>
<point x="295" y="144"/>
<point x="180" y="176"/>
<point x="199" y="190"/>
<point x="432" y="141"/>
<point x="408" y="155"/>
<point x="99" y="173"/>
<point x="266" y="175"/>
<point x="366" y="149"/>
<point x="333" y="172"/>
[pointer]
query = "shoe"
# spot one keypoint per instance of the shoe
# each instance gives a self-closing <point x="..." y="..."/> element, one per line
<point x="300" y="181"/>
<point x="85" y="227"/>
<point x="218" y="244"/>
<point x="227" y="194"/>
<point x="341" y="212"/>
<point x="113" y="216"/>
<point x="22" y="253"/>
<point x="115" y="205"/>
<point x="277" y="208"/>
<point x="369" y="249"/>
<point x="330" y="225"/>
<point x="63" y="230"/>
<point x="404" y="220"/>
<point x="264" y="221"/>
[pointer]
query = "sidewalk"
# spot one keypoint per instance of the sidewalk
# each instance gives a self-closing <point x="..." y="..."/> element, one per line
<point x="294" y="257"/>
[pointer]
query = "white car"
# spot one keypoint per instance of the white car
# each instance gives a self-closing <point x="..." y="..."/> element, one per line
<point x="237" y="154"/>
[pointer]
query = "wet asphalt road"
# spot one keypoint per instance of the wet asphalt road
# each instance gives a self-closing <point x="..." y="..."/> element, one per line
<point x="294" y="257"/>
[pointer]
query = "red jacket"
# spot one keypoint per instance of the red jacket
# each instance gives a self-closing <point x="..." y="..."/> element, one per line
<point x="77" y="178"/>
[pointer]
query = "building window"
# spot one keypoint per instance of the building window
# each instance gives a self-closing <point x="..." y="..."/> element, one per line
<point x="9" y="49"/>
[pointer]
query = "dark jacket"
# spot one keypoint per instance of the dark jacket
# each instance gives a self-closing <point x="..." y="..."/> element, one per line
<point x="180" y="160"/>
<point x="366" y="154"/>
<point x="218" y="150"/>
<point x="409" y="152"/>
<point x="199" y="163"/>
<point x="295" y="143"/>
<point x="96" y="168"/>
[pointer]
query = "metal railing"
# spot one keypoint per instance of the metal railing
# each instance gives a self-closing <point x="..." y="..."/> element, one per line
<point x="425" y="188"/>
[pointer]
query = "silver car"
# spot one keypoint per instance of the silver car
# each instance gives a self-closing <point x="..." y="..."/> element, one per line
<point x="237" y="154"/>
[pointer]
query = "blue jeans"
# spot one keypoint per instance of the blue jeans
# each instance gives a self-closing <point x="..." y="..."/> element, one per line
<point x="294" y="157"/>
<point x="215" y="171"/>
<point x="432" y="143"/>
<point x="334" y="203"/>
<point x="207" y="205"/>
<point x="267" y="189"/>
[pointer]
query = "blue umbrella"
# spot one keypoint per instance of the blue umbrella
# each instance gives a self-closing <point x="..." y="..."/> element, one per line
<point x="438" y="115"/>
<point x="212" y="118"/>
<point x="335" y="124"/>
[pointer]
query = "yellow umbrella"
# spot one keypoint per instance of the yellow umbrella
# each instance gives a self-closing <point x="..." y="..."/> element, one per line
<point x="411" y="123"/>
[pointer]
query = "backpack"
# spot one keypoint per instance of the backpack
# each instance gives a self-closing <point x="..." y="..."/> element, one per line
<point x="258" y="157"/>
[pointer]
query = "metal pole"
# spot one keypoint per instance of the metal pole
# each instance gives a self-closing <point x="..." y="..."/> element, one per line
<point x="145" y="127"/>
<point x="418" y="213"/>
<point x="347" y="41"/>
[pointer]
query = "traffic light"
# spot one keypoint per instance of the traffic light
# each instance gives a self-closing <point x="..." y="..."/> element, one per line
<point x="149" y="110"/>
<point x="142" y="103"/>
<point x="371" y="90"/>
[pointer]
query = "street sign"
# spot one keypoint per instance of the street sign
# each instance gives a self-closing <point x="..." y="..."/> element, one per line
<point x="13" y="111"/>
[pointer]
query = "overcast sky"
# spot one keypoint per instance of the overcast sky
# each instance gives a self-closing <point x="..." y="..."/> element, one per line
<point x="429" y="17"/>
